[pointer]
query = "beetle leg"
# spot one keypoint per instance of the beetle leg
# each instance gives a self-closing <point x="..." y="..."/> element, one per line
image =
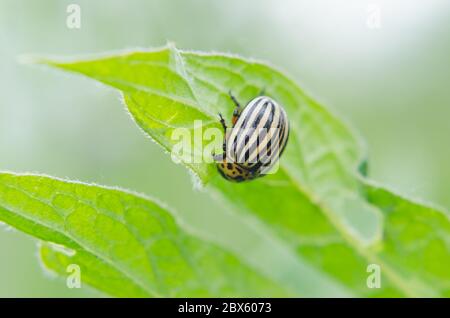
<point x="222" y="121"/>
<point x="221" y="157"/>
<point x="236" y="114"/>
<point x="237" y="111"/>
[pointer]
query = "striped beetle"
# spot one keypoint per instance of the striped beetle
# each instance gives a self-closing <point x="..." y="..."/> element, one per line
<point x="256" y="140"/>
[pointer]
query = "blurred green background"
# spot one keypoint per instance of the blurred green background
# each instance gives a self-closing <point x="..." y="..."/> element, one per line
<point x="390" y="82"/>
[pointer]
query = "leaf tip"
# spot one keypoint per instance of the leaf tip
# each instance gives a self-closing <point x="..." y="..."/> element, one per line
<point x="27" y="59"/>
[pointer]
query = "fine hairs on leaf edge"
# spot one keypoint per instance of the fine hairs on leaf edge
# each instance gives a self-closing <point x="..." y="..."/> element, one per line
<point x="198" y="184"/>
<point x="170" y="210"/>
<point x="406" y="197"/>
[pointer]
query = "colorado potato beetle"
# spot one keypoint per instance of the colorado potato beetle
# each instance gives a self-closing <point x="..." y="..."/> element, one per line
<point x="255" y="142"/>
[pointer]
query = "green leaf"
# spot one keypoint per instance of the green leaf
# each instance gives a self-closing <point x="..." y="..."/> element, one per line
<point x="416" y="241"/>
<point x="315" y="203"/>
<point x="124" y="244"/>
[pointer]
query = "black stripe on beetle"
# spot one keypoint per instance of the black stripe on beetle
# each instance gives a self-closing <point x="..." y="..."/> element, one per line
<point x="256" y="140"/>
